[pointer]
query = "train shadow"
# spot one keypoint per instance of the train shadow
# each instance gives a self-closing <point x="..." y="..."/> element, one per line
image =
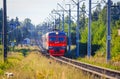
<point x="83" y="50"/>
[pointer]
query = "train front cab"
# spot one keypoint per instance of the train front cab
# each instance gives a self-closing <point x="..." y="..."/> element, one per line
<point x="57" y="44"/>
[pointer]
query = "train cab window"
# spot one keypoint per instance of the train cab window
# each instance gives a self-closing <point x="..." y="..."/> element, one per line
<point x="61" y="38"/>
<point x="52" y="38"/>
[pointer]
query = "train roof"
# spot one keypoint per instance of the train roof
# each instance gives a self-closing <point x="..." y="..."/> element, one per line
<point x="55" y="32"/>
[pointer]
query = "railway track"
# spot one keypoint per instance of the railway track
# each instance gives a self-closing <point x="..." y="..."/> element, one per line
<point x="103" y="73"/>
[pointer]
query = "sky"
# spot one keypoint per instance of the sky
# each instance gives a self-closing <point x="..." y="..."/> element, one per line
<point x="36" y="10"/>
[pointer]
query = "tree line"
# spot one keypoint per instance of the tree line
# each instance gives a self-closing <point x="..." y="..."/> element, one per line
<point x="17" y="31"/>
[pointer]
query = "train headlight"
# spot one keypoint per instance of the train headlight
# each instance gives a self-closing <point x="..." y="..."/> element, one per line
<point x="56" y="33"/>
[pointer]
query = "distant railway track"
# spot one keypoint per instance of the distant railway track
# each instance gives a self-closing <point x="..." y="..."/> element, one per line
<point x="102" y="73"/>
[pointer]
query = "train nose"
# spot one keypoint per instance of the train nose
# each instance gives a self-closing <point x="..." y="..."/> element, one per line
<point x="62" y="51"/>
<point x="51" y="51"/>
<point x="57" y="50"/>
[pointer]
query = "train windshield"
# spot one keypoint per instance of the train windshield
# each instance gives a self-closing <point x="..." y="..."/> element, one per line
<point x="56" y="38"/>
<point x="52" y="38"/>
<point x="61" y="38"/>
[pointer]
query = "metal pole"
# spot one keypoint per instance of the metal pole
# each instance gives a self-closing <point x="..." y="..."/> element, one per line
<point x="108" y="29"/>
<point x="69" y="30"/>
<point x="58" y="15"/>
<point x="62" y="17"/>
<point x="63" y="21"/>
<point x="77" y="30"/>
<point x="89" y="31"/>
<point x="55" y="22"/>
<point x="59" y="21"/>
<point x="4" y="30"/>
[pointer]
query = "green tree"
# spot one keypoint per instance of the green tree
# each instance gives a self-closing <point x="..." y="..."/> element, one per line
<point x="82" y="16"/>
<point x="28" y="28"/>
<point x="118" y="24"/>
<point x="96" y="13"/>
<point x="115" y="12"/>
<point x="103" y="16"/>
<point x="14" y="30"/>
<point x="18" y="31"/>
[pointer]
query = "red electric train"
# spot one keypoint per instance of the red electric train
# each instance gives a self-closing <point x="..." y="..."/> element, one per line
<point x="55" y="43"/>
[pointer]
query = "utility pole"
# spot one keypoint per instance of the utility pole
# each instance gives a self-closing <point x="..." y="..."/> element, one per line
<point x="59" y="21"/>
<point x="62" y="16"/>
<point x="63" y="21"/>
<point x="55" y="12"/>
<point x="108" y="29"/>
<point x="69" y="27"/>
<point x="69" y="30"/>
<point x="54" y="22"/>
<point x="77" y="30"/>
<point x="77" y="27"/>
<point x="4" y="30"/>
<point x="89" y="32"/>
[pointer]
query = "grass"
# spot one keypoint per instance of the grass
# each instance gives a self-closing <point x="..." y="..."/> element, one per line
<point x="36" y="66"/>
<point x="101" y="61"/>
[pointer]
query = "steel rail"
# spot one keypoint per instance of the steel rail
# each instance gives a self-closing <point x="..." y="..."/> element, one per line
<point x="96" y="70"/>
